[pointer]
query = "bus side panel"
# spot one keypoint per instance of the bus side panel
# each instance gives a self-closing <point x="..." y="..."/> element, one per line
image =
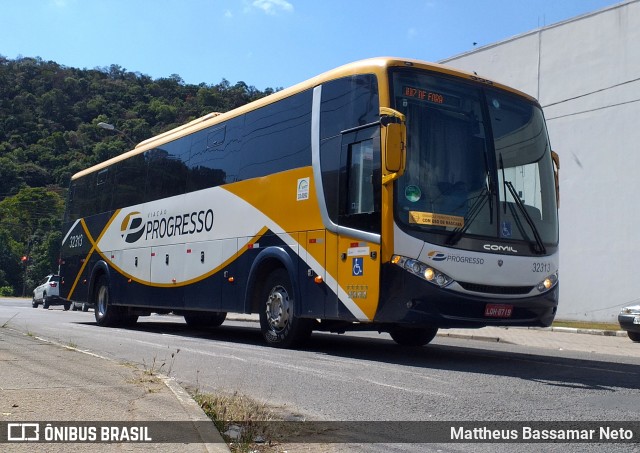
<point x="317" y="298"/>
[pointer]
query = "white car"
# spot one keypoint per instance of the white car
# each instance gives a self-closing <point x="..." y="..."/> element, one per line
<point x="48" y="293"/>
<point x="629" y="320"/>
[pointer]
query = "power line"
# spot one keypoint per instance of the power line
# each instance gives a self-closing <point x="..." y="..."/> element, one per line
<point x="592" y="92"/>
<point x="592" y="110"/>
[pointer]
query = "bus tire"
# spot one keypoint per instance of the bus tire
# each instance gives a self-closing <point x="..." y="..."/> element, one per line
<point x="106" y="314"/>
<point x="279" y="326"/>
<point x="204" y="320"/>
<point x="411" y="336"/>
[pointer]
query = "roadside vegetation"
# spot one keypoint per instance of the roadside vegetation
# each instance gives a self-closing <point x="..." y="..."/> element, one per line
<point x="587" y="325"/>
<point x="236" y="417"/>
<point x="48" y="131"/>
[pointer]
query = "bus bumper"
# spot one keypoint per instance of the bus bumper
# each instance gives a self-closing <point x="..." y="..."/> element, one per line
<point x="412" y="301"/>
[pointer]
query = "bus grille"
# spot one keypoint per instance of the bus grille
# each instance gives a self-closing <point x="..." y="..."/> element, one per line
<point x="488" y="289"/>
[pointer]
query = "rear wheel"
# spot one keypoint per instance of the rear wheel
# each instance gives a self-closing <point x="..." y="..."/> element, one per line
<point x="45" y="304"/>
<point x="204" y="320"/>
<point x="280" y="327"/>
<point x="106" y="314"/>
<point x="634" y="336"/>
<point x="85" y="307"/>
<point x="67" y="306"/>
<point x="74" y="307"/>
<point x="408" y="336"/>
<point x="34" y="304"/>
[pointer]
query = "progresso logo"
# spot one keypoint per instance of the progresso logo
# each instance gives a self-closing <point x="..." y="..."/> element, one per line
<point x="133" y="227"/>
<point x="435" y="255"/>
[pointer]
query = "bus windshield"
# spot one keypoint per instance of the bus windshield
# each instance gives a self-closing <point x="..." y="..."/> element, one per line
<point x="478" y="163"/>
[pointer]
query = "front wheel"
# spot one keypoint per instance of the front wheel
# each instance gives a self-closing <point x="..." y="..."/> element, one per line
<point x="634" y="336"/>
<point x="280" y="327"/>
<point x="34" y="304"/>
<point x="409" y="336"/>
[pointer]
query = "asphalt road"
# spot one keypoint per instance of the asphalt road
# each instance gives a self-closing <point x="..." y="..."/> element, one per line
<point x="363" y="376"/>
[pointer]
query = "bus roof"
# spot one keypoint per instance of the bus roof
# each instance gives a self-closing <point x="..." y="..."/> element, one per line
<point x="377" y="66"/>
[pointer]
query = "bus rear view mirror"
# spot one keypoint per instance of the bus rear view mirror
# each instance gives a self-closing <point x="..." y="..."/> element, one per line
<point x="394" y="133"/>
<point x="395" y="147"/>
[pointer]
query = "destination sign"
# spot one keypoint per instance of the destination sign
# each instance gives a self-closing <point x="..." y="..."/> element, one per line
<point x="430" y="96"/>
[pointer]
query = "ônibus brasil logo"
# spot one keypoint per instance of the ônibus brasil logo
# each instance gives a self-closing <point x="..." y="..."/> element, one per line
<point x="133" y="228"/>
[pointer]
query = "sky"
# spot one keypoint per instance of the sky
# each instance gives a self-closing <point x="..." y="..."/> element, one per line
<point x="264" y="43"/>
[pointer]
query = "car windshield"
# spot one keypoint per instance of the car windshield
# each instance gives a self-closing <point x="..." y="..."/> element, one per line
<point x="478" y="163"/>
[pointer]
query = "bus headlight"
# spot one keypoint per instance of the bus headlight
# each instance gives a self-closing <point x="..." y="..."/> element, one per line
<point x="422" y="270"/>
<point x="548" y="283"/>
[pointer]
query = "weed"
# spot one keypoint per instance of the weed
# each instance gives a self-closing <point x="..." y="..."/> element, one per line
<point x="587" y="325"/>
<point x="6" y="323"/>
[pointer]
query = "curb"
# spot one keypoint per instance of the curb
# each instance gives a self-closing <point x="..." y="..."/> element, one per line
<point x="196" y="415"/>
<point x="605" y="333"/>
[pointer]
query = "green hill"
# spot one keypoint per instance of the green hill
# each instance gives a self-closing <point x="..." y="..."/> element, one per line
<point x="48" y="131"/>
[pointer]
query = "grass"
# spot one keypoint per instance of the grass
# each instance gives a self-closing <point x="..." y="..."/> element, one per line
<point x="237" y="418"/>
<point x="587" y="325"/>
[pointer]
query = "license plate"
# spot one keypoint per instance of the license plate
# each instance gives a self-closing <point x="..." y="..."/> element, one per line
<point x="636" y="320"/>
<point x="498" y="311"/>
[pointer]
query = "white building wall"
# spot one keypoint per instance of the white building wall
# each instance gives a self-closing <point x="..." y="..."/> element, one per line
<point x="586" y="74"/>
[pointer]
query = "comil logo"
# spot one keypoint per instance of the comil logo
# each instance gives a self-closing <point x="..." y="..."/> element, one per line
<point x="132" y="227"/>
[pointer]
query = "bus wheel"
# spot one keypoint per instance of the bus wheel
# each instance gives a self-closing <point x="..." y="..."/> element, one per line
<point x="203" y="320"/>
<point x="106" y="314"/>
<point x="407" y="336"/>
<point x="278" y="323"/>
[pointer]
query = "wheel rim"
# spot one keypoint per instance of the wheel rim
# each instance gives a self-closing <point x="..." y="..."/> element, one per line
<point x="102" y="300"/>
<point x="278" y="309"/>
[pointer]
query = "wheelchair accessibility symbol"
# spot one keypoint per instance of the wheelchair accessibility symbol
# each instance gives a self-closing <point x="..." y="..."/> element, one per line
<point x="358" y="267"/>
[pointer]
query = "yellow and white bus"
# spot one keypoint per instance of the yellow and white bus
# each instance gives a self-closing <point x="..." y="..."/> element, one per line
<point x="388" y="194"/>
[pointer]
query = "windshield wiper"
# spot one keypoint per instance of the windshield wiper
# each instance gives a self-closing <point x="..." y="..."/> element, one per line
<point x="540" y="246"/>
<point x="475" y="209"/>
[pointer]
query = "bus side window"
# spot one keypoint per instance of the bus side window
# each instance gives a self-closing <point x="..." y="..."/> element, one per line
<point x="207" y="148"/>
<point x="360" y="183"/>
<point x="167" y="169"/>
<point x="346" y="103"/>
<point x="276" y="137"/>
<point x="129" y="174"/>
<point x="104" y="189"/>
